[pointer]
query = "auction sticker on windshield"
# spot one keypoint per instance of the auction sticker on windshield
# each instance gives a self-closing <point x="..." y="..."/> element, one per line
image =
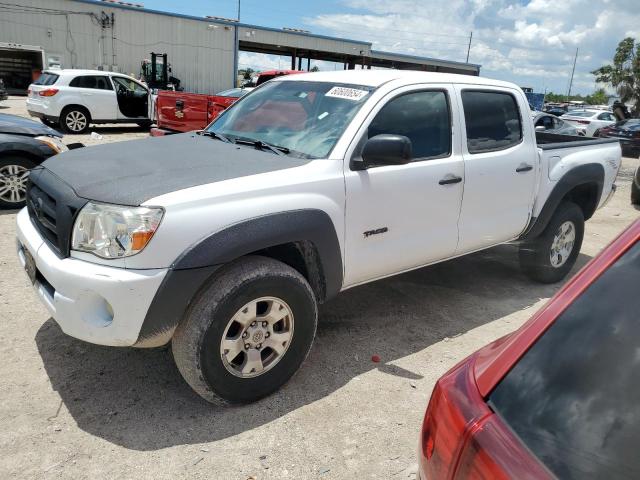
<point x="346" y="93"/>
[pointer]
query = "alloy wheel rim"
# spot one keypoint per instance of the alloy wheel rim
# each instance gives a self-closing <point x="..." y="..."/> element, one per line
<point x="257" y="337"/>
<point x="13" y="183"/>
<point x="76" y="121"/>
<point x="562" y="244"/>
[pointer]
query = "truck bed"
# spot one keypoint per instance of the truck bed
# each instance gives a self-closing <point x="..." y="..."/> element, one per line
<point x="552" y="141"/>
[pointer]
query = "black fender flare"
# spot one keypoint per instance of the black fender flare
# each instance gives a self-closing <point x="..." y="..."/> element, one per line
<point x="591" y="173"/>
<point x="194" y="267"/>
<point x="28" y="147"/>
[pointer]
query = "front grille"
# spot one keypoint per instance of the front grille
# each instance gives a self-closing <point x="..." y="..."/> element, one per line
<point x="52" y="207"/>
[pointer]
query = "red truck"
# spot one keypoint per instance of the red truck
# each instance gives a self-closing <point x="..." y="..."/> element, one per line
<point x="185" y="112"/>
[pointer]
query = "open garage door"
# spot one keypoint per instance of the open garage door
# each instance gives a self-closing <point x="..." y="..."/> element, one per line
<point x="19" y="66"/>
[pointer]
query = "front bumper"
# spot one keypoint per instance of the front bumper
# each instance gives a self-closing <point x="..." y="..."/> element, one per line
<point x="95" y="303"/>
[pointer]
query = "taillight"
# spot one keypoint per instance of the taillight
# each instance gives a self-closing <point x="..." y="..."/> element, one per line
<point x="463" y="439"/>
<point x="49" y="92"/>
<point x="455" y="407"/>
<point x="584" y="122"/>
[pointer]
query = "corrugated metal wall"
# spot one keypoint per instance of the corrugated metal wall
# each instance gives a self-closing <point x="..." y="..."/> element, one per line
<point x="201" y="56"/>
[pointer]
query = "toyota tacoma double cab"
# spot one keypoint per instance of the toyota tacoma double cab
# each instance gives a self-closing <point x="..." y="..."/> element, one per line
<point x="224" y="242"/>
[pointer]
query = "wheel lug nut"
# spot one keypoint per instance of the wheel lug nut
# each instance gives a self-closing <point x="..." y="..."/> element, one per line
<point x="264" y="324"/>
<point x="259" y="346"/>
<point x="267" y="335"/>
<point x="245" y="335"/>
<point x="253" y="324"/>
<point x="247" y="346"/>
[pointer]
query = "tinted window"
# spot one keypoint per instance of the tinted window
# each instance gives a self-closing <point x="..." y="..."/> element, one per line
<point x="124" y="85"/>
<point x="421" y="116"/>
<point x="91" y="81"/>
<point x="47" y="79"/>
<point x="492" y="119"/>
<point x="606" y="116"/>
<point x="546" y="122"/>
<point x="574" y="398"/>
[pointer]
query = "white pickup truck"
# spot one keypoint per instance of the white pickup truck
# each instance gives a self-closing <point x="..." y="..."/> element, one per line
<point x="224" y="241"/>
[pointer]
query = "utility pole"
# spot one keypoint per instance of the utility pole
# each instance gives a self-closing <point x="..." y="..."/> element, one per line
<point x="236" y="49"/>
<point x="575" y="59"/>
<point x="469" y="48"/>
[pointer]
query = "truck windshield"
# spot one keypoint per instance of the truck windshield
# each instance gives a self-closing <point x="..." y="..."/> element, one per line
<point x="304" y="118"/>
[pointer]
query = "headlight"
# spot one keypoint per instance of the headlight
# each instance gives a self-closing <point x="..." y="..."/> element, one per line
<point x="113" y="231"/>
<point x="54" y="142"/>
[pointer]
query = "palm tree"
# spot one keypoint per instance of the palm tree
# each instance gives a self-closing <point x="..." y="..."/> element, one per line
<point x="624" y="73"/>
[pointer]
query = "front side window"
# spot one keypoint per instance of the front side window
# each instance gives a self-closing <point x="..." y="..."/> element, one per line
<point x="126" y="86"/>
<point x="607" y="116"/>
<point x="492" y="120"/>
<point x="423" y="117"/>
<point x="574" y="397"/>
<point x="306" y="118"/>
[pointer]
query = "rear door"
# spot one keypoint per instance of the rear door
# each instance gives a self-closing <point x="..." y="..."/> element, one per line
<point x="97" y="94"/>
<point x="400" y="217"/>
<point x="500" y="167"/>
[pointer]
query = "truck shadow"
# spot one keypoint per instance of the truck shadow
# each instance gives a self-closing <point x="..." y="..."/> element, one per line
<point x="137" y="399"/>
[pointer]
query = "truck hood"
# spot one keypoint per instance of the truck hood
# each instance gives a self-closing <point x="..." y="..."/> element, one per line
<point x="130" y="173"/>
<point x="16" y="125"/>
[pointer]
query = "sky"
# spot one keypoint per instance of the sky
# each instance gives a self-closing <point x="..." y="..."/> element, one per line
<point x="529" y="42"/>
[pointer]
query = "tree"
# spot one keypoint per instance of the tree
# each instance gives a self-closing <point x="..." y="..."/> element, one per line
<point x="624" y="73"/>
<point x="599" y="97"/>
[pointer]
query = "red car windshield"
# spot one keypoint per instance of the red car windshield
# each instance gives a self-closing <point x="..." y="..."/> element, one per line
<point x="574" y="397"/>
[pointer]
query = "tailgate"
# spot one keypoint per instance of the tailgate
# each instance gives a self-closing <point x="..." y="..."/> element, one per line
<point x="183" y="112"/>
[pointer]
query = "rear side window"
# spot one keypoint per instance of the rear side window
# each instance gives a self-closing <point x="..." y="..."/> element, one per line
<point x="97" y="82"/>
<point x="492" y="120"/>
<point x="47" y="79"/>
<point x="574" y="397"/>
<point x="423" y="117"/>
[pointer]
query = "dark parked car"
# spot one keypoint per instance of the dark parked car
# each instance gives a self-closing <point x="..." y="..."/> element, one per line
<point x="24" y="144"/>
<point x="558" y="398"/>
<point x="3" y="92"/>
<point x="627" y="131"/>
<point x="557" y="111"/>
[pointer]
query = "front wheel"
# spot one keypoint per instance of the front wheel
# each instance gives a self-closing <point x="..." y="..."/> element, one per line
<point x="14" y="173"/>
<point x="247" y="333"/>
<point x="549" y="257"/>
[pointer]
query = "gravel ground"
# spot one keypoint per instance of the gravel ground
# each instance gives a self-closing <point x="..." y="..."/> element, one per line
<point x="69" y="409"/>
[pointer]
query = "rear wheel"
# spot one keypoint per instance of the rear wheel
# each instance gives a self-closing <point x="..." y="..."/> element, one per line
<point x="549" y="257"/>
<point x="247" y="333"/>
<point x="14" y="173"/>
<point x="75" y="120"/>
<point x="635" y="192"/>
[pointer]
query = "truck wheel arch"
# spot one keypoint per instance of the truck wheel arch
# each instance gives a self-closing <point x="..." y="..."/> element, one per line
<point x="582" y="185"/>
<point x="303" y="239"/>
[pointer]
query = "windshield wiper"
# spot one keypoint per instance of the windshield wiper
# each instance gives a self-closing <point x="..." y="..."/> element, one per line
<point x="212" y="134"/>
<point x="264" y="145"/>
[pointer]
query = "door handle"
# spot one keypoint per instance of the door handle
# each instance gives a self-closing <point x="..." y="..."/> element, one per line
<point x="524" y="168"/>
<point x="450" y="180"/>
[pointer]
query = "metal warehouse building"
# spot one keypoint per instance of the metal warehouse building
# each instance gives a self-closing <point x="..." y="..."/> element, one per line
<point x="117" y="36"/>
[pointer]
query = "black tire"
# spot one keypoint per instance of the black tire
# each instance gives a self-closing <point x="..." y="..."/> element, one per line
<point x="13" y="186"/>
<point x="635" y="192"/>
<point x="535" y="255"/>
<point x="196" y="343"/>
<point x="75" y="120"/>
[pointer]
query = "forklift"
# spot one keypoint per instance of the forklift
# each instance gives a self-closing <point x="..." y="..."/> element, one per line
<point x="156" y="73"/>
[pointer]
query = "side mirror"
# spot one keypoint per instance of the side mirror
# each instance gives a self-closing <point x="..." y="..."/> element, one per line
<point x="386" y="149"/>
<point x="540" y="128"/>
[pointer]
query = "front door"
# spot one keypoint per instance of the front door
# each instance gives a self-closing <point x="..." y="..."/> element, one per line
<point x="500" y="163"/>
<point x="404" y="216"/>
<point x="133" y="98"/>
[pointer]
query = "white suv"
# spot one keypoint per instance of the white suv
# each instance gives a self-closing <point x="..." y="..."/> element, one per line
<point x="73" y="99"/>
